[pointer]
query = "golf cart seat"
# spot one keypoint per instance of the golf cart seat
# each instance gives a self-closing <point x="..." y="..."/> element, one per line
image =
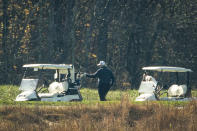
<point x="58" y="87"/>
<point x="177" y="90"/>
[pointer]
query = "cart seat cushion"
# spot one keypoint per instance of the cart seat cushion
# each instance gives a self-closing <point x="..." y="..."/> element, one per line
<point x="177" y="90"/>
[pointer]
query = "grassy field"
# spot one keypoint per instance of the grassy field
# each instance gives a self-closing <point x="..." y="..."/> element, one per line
<point x="9" y="93"/>
<point x="119" y="113"/>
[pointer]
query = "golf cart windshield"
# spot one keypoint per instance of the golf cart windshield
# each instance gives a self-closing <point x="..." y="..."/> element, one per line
<point x="28" y="84"/>
<point x="147" y="87"/>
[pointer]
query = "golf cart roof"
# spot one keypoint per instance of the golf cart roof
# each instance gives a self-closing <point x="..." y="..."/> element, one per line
<point x="166" y="69"/>
<point x="49" y="66"/>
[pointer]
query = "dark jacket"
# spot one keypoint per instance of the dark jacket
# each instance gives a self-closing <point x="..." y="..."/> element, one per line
<point x="104" y="74"/>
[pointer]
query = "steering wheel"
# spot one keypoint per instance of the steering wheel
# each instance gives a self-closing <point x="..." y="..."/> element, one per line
<point x="43" y="84"/>
<point x="158" y="86"/>
<point x="46" y="83"/>
<point x="158" y="89"/>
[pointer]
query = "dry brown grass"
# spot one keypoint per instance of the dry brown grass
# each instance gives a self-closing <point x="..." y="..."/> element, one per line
<point x="106" y="117"/>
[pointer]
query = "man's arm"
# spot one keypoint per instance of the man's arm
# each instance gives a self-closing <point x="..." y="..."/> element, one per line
<point x="94" y="75"/>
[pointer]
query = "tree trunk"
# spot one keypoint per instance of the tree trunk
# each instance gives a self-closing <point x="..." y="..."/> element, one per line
<point x="5" y="61"/>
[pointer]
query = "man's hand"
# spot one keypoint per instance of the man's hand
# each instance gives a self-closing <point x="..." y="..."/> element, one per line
<point x="84" y="74"/>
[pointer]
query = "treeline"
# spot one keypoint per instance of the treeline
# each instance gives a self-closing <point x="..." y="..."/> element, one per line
<point x="127" y="34"/>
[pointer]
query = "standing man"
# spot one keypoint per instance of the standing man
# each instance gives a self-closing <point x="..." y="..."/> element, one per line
<point x="105" y="79"/>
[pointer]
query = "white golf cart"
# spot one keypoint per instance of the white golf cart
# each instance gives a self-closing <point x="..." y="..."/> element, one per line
<point x="150" y="88"/>
<point x="64" y="84"/>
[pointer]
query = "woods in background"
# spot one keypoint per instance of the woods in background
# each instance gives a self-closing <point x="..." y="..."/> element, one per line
<point x="126" y="34"/>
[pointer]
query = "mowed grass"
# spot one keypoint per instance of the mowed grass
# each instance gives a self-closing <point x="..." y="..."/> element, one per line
<point x="119" y="113"/>
<point x="8" y="94"/>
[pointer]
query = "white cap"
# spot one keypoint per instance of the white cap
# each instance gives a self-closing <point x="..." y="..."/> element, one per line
<point x="101" y="63"/>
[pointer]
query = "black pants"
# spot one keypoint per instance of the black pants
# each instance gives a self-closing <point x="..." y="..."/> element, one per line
<point x="103" y="89"/>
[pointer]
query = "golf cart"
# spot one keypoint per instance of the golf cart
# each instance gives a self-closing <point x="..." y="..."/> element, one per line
<point x="38" y="85"/>
<point x="151" y="89"/>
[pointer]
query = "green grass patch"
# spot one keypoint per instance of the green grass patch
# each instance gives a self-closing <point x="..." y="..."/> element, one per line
<point x="8" y="94"/>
